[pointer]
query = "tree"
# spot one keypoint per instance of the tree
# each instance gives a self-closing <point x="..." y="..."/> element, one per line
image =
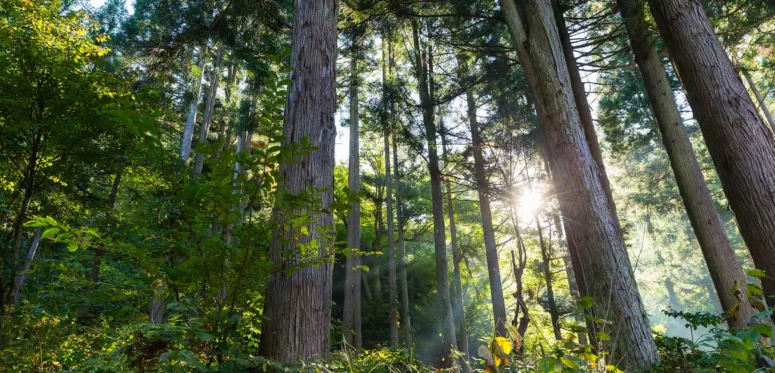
<point x="724" y="268"/>
<point x="742" y="148"/>
<point x="584" y="204"/>
<point x="298" y="327"/>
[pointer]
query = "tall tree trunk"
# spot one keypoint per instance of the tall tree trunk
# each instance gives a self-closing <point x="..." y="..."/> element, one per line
<point x="583" y="201"/>
<point x="297" y="310"/>
<point x="723" y="265"/>
<point x="28" y="263"/>
<point x="193" y="106"/>
<point x="760" y="99"/>
<point x="212" y="95"/>
<point x="352" y="295"/>
<point x="423" y="70"/>
<point x="742" y="148"/>
<point x="406" y="324"/>
<point x="376" y="247"/>
<point x="392" y="285"/>
<point x="458" y="305"/>
<point x="546" y="257"/>
<point x="490" y="247"/>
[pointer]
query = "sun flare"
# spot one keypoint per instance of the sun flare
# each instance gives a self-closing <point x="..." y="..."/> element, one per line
<point x="530" y="202"/>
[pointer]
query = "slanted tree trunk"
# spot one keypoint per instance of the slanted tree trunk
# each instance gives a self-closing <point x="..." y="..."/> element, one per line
<point x="760" y="99"/>
<point x="723" y="265"/>
<point x="28" y="263"/>
<point x="458" y="305"/>
<point x="193" y="106"/>
<point x="297" y="311"/>
<point x="580" y="97"/>
<point x="490" y="248"/>
<point x="212" y="95"/>
<point x="423" y="66"/>
<point x="352" y="295"/>
<point x="742" y="148"/>
<point x="583" y="201"/>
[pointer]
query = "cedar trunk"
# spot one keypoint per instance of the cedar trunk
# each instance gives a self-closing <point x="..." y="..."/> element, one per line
<point x="739" y="142"/>
<point x="297" y="311"/>
<point x="723" y="265"/>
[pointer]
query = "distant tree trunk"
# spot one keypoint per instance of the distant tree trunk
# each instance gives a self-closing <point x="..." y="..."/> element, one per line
<point x="546" y="257"/>
<point x="28" y="263"/>
<point x="352" y="295"/>
<point x="760" y="99"/>
<point x="392" y="285"/>
<point x="406" y="324"/>
<point x="376" y="247"/>
<point x="193" y="106"/>
<point x="583" y="200"/>
<point x="297" y="327"/>
<point x="212" y="95"/>
<point x="459" y="304"/>
<point x="742" y="148"/>
<point x="723" y="265"/>
<point x="490" y="247"/>
<point x="423" y="70"/>
<point x="100" y="252"/>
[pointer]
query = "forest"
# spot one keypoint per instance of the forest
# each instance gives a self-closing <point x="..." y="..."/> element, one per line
<point x="387" y="186"/>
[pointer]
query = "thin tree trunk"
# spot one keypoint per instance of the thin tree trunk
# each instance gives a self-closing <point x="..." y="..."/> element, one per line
<point x="459" y="305"/>
<point x="742" y="148"/>
<point x="406" y="324"/>
<point x="100" y="252"/>
<point x="583" y="201"/>
<point x="423" y="70"/>
<point x="546" y="255"/>
<point x="392" y="285"/>
<point x="352" y="295"/>
<point x="188" y="129"/>
<point x="490" y="247"/>
<point x="212" y="95"/>
<point x="376" y="247"/>
<point x="722" y="262"/>
<point x="760" y="99"/>
<point x="297" y="326"/>
<point x="28" y="263"/>
<point x="580" y="97"/>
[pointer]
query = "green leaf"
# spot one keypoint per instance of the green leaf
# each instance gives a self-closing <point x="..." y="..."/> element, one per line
<point x="48" y="233"/>
<point x="758" y="273"/>
<point x="72" y="247"/>
<point x="603" y="336"/>
<point x="585" y="302"/>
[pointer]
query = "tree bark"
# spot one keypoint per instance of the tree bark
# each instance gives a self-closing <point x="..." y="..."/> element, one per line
<point x="423" y="70"/>
<point x="188" y="129"/>
<point x="583" y="200"/>
<point x="215" y="78"/>
<point x="741" y="146"/>
<point x="490" y="247"/>
<point x="297" y="311"/>
<point x="352" y="295"/>
<point x="723" y="265"/>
